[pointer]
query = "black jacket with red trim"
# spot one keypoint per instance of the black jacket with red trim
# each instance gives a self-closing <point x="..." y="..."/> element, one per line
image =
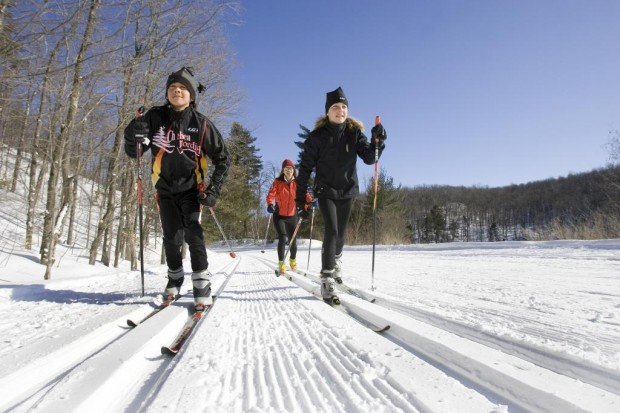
<point x="180" y="143"/>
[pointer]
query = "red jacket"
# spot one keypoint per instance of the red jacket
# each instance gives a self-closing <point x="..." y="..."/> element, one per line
<point x="282" y="193"/>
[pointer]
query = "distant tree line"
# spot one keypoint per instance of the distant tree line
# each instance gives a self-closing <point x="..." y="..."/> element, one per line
<point x="582" y="206"/>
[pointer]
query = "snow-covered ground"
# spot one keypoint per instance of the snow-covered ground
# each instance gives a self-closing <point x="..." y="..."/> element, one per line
<point x="478" y="327"/>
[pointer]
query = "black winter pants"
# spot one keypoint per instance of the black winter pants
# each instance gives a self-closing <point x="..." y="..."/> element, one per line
<point x="180" y="214"/>
<point x="284" y="228"/>
<point x="336" y="213"/>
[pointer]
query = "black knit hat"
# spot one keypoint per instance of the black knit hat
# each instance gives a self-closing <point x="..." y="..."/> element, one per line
<point x="185" y="76"/>
<point x="335" y="96"/>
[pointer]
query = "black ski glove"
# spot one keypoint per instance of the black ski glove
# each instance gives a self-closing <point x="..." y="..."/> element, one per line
<point x="378" y="132"/>
<point x="137" y="133"/>
<point x="207" y="198"/>
<point x="302" y="210"/>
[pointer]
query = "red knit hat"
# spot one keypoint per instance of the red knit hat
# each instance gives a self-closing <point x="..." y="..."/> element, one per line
<point x="287" y="162"/>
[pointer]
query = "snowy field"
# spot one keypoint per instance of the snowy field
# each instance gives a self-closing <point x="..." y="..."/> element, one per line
<point x="478" y="327"/>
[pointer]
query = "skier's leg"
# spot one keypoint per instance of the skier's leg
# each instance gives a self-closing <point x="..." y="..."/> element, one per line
<point x="290" y="223"/>
<point x="328" y="251"/>
<point x="343" y="213"/>
<point x="279" y="225"/>
<point x="172" y="228"/>
<point x="194" y="238"/>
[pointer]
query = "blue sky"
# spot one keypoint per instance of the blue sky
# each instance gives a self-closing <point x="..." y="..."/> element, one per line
<point x="470" y="92"/>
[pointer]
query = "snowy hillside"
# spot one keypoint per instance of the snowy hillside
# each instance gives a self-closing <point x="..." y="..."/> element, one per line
<point x="493" y="327"/>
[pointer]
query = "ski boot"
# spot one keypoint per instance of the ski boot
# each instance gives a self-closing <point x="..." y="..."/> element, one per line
<point x="328" y="287"/>
<point x="201" y="281"/>
<point x="293" y="264"/>
<point x="175" y="281"/>
<point x="338" y="269"/>
<point x="281" y="268"/>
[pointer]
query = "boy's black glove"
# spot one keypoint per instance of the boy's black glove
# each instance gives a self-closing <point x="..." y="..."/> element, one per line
<point x="137" y="133"/>
<point x="378" y="132"/>
<point x="302" y="210"/>
<point x="207" y="198"/>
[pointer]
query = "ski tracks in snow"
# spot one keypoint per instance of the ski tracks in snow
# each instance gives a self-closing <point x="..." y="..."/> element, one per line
<point x="270" y="346"/>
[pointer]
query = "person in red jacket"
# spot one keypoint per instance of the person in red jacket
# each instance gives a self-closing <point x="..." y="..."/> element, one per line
<point x="281" y="203"/>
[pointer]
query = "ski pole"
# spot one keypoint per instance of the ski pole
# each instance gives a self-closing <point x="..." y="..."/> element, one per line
<point x="139" y="142"/>
<point x="266" y="233"/>
<point x="374" y="205"/>
<point x="231" y="253"/>
<point x="310" y="242"/>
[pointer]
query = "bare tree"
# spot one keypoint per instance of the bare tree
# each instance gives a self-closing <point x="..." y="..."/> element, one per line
<point x="50" y="232"/>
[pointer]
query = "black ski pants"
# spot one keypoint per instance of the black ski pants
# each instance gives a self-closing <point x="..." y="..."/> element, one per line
<point x="180" y="220"/>
<point x="336" y="213"/>
<point x="285" y="226"/>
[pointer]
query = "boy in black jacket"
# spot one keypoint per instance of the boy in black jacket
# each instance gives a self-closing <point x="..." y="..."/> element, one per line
<point x="180" y="139"/>
<point x="332" y="150"/>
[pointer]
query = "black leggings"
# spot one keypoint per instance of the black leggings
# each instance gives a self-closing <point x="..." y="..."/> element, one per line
<point x="336" y="213"/>
<point x="180" y="220"/>
<point x="284" y="228"/>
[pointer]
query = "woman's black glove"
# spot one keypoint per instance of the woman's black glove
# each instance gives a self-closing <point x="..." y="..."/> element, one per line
<point x="378" y="132"/>
<point x="207" y="198"/>
<point x="302" y="210"/>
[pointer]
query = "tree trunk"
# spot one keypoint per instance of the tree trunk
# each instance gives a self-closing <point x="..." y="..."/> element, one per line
<point x="105" y="223"/>
<point x="33" y="191"/>
<point x="74" y="195"/>
<point x="20" y="146"/>
<point x="66" y="130"/>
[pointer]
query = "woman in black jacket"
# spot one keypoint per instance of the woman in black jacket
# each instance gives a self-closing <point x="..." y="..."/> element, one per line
<point x="180" y="139"/>
<point x="331" y="151"/>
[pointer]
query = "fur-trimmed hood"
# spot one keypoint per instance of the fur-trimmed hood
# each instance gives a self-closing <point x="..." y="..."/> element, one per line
<point x="352" y="123"/>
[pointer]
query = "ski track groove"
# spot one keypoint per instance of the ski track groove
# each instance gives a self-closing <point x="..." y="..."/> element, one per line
<point x="249" y="383"/>
<point x="335" y="360"/>
<point x="284" y="374"/>
<point x="297" y="379"/>
<point x="274" y="357"/>
<point x="304" y="368"/>
<point x="347" y="361"/>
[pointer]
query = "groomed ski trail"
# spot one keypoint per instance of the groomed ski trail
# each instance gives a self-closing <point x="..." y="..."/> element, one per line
<point x="270" y="346"/>
<point x="511" y="378"/>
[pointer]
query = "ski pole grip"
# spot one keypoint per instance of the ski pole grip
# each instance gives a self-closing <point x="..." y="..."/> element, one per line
<point x="139" y="112"/>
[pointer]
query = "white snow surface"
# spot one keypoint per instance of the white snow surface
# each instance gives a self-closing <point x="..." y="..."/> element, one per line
<point x="476" y="327"/>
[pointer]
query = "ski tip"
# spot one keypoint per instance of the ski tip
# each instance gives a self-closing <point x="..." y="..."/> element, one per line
<point x="262" y="251"/>
<point x="381" y="329"/>
<point x="373" y="300"/>
<point x="277" y="273"/>
<point x="132" y="323"/>
<point x="167" y="351"/>
<point x="232" y="255"/>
